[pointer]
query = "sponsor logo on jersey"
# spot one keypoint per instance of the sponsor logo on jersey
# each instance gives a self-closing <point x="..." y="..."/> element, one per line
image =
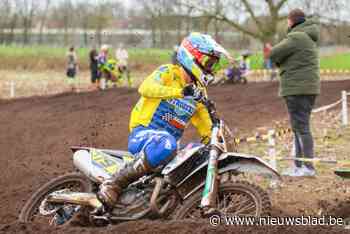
<point x="183" y="106"/>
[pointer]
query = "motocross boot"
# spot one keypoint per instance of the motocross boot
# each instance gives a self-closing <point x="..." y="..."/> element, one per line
<point x="111" y="189"/>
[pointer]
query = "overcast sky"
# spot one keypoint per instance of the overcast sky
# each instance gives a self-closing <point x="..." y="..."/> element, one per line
<point x="340" y="14"/>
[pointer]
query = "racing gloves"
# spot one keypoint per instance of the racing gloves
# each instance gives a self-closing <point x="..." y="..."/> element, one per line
<point x="192" y="91"/>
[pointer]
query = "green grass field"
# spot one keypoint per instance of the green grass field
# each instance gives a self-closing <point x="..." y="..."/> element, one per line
<point x="338" y="61"/>
<point x="39" y="56"/>
<point x="43" y="57"/>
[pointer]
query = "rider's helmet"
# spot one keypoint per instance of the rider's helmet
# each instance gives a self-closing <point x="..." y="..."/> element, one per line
<point x="201" y="56"/>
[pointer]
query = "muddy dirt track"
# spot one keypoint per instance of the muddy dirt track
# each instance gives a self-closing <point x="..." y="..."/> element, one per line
<point x="36" y="134"/>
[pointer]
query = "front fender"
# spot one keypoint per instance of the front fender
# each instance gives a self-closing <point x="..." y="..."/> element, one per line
<point x="246" y="164"/>
<point x="240" y="163"/>
<point x="235" y="162"/>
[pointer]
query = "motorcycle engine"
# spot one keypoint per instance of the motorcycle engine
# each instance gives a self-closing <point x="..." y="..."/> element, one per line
<point x="183" y="170"/>
<point x="130" y="196"/>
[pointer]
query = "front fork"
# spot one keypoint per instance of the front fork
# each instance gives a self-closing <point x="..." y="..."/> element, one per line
<point x="210" y="191"/>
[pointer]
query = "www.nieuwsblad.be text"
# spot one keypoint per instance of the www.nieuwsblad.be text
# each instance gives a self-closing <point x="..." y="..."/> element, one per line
<point x="216" y="220"/>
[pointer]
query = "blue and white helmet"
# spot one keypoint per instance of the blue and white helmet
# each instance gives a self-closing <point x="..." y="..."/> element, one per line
<point x="201" y="56"/>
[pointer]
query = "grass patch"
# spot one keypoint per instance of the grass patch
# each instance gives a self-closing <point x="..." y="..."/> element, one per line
<point x="338" y="61"/>
<point x="44" y="57"/>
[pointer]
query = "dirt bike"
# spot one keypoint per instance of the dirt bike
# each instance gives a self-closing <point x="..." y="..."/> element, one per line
<point x="110" y="73"/>
<point x="200" y="179"/>
<point x="232" y="75"/>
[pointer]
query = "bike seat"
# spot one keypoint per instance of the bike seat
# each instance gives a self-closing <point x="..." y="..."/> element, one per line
<point x="117" y="153"/>
<point x="114" y="153"/>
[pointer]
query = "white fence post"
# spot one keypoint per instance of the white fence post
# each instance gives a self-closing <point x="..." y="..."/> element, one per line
<point x="12" y="89"/>
<point x="344" y="108"/>
<point x="272" y="149"/>
<point x="272" y="155"/>
<point x="293" y="150"/>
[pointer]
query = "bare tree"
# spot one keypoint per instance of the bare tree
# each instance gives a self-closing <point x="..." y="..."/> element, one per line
<point x="154" y="10"/>
<point x="27" y="10"/>
<point x="101" y="18"/>
<point x="265" y="15"/>
<point x="11" y="26"/>
<point x="188" y="12"/>
<point x="64" y="16"/>
<point x="67" y="15"/>
<point x="84" y="17"/>
<point x="165" y="16"/>
<point x="217" y="8"/>
<point x="43" y="18"/>
<point x="324" y="8"/>
<point x="5" y="15"/>
<point x="168" y="20"/>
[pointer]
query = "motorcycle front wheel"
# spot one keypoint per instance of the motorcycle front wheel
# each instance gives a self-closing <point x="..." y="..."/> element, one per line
<point x="238" y="198"/>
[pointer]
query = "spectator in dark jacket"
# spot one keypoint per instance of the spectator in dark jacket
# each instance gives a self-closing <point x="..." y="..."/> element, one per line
<point x="298" y="60"/>
<point x="95" y="73"/>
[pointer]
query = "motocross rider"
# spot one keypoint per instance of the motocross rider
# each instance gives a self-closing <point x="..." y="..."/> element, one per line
<point x="170" y="99"/>
<point x="106" y="65"/>
<point x="103" y="55"/>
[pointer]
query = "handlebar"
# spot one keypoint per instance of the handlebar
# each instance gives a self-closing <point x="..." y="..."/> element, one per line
<point x="211" y="107"/>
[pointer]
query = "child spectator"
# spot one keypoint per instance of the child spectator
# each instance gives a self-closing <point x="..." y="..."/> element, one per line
<point x="72" y="67"/>
<point x="101" y="63"/>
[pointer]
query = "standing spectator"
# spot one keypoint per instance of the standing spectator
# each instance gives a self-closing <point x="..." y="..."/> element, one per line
<point x="298" y="60"/>
<point x="268" y="63"/>
<point x="102" y="63"/>
<point x="122" y="57"/>
<point x="72" y="66"/>
<point x="267" y="60"/>
<point x="95" y="73"/>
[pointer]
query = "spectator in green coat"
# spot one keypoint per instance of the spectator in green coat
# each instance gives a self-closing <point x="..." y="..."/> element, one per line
<point x="298" y="60"/>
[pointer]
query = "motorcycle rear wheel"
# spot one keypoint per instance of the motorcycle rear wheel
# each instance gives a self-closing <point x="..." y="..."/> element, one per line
<point x="73" y="181"/>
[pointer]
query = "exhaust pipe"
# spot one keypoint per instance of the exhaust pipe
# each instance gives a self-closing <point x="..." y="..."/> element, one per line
<point x="75" y="198"/>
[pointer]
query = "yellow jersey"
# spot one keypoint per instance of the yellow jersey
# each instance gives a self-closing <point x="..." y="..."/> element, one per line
<point x="163" y="107"/>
